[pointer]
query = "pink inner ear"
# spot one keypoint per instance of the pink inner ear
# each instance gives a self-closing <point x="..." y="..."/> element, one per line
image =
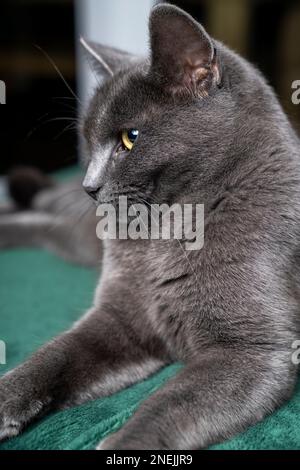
<point x="193" y="76"/>
<point x="183" y="54"/>
<point x="196" y="71"/>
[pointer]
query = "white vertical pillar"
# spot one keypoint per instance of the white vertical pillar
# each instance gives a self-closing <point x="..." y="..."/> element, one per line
<point x="2" y="92"/>
<point x="2" y="353"/>
<point x="118" y="23"/>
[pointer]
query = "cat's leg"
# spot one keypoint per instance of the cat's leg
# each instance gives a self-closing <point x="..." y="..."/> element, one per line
<point x="66" y="236"/>
<point x="213" y="398"/>
<point x="95" y="358"/>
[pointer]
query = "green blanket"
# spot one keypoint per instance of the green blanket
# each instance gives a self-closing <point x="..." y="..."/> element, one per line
<point x="40" y="295"/>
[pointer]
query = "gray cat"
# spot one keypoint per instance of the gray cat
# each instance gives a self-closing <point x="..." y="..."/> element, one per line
<point x="210" y="131"/>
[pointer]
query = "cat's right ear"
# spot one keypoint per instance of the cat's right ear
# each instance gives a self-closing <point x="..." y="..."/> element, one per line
<point x="106" y="60"/>
<point x="183" y="56"/>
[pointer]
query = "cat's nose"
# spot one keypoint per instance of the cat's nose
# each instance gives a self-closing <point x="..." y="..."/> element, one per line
<point x="92" y="191"/>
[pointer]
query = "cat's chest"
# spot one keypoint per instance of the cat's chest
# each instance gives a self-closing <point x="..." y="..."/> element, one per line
<point x="162" y="279"/>
<point x="156" y="263"/>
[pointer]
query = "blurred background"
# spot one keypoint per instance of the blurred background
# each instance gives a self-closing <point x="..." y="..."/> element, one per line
<point x="39" y="53"/>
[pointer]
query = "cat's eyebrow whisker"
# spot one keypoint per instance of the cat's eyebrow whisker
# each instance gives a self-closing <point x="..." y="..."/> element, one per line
<point x="71" y="126"/>
<point x="63" y="98"/>
<point x="62" y="118"/>
<point x="68" y="107"/>
<point x="65" y="118"/>
<point x="59" y="73"/>
<point x="29" y="134"/>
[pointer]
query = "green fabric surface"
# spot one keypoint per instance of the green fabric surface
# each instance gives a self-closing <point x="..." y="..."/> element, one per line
<point x="40" y="296"/>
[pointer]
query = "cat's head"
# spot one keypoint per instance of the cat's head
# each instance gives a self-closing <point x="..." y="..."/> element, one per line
<point x="158" y="129"/>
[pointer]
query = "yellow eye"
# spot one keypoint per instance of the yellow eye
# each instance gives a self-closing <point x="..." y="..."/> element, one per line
<point x="129" y="138"/>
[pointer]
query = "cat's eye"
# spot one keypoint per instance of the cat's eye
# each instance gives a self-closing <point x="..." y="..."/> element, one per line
<point x="129" y="137"/>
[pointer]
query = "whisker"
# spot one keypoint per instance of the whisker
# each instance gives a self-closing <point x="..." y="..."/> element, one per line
<point x="68" y="107"/>
<point x="62" y="118"/>
<point x="59" y="73"/>
<point x="83" y="214"/>
<point x="63" y="98"/>
<point x="65" y="118"/>
<point x="69" y="217"/>
<point x="71" y="126"/>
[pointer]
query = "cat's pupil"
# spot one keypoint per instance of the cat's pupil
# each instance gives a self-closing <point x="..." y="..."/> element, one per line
<point x="132" y="135"/>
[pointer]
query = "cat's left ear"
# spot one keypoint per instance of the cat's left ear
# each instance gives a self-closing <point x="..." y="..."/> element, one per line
<point x="106" y="60"/>
<point x="183" y="56"/>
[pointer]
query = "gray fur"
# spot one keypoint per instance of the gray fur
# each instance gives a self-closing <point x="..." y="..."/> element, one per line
<point x="62" y="219"/>
<point x="212" y="132"/>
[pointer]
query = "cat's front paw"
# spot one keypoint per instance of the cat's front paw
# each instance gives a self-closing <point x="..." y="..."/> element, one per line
<point x="121" y="440"/>
<point x="111" y="442"/>
<point x="19" y="403"/>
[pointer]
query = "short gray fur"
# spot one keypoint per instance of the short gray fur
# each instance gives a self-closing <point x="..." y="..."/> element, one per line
<point x="211" y="132"/>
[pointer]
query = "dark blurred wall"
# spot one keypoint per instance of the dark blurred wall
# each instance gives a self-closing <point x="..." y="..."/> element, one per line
<point x="28" y="134"/>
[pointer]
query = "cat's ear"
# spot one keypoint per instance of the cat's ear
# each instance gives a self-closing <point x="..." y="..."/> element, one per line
<point x="106" y="60"/>
<point x="183" y="56"/>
